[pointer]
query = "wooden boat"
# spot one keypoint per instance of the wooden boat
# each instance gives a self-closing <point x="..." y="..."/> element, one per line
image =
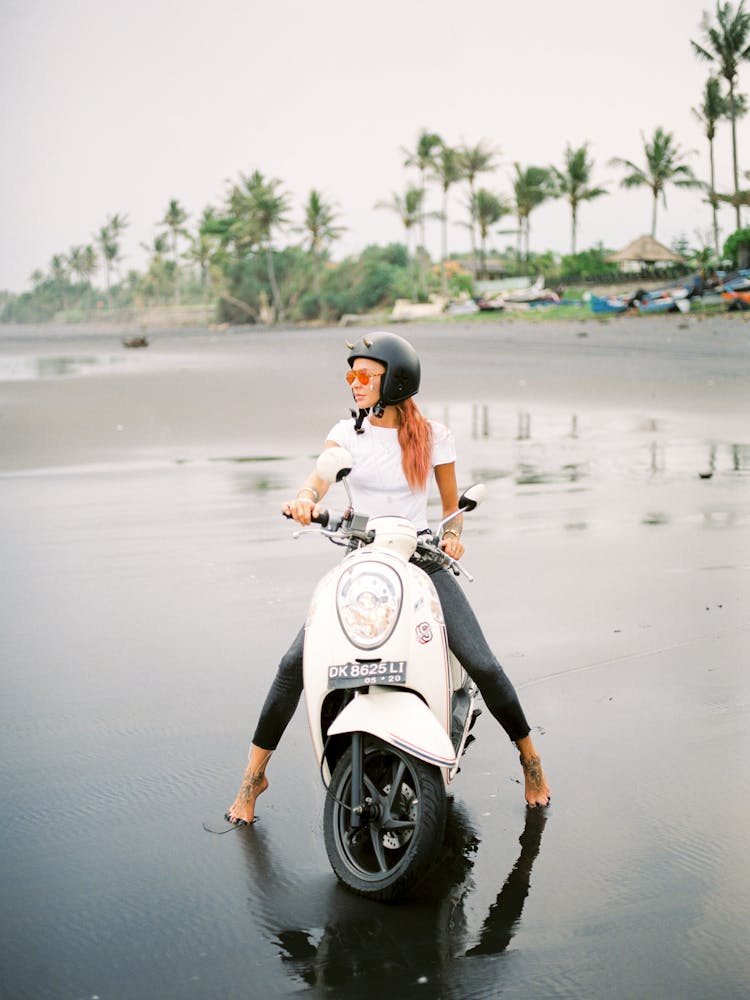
<point x="736" y="300"/>
<point x="666" y="303"/>
<point x="610" y="305"/>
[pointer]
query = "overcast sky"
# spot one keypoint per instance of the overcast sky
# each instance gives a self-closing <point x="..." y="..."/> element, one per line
<point x="112" y="106"/>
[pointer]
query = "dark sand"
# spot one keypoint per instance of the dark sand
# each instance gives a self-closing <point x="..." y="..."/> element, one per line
<point x="149" y="586"/>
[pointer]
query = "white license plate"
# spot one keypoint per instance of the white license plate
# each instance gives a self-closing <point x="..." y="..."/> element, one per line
<point x="349" y="675"/>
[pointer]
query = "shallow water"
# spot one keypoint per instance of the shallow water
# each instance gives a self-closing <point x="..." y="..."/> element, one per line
<point x="144" y="607"/>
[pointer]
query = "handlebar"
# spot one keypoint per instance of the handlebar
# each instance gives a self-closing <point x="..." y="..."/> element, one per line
<point x="350" y="529"/>
<point x="322" y="518"/>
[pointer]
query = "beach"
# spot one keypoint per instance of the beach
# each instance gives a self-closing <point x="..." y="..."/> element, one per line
<point x="150" y="587"/>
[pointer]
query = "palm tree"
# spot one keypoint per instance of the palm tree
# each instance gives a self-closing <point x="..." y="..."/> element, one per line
<point x="531" y="187"/>
<point x="423" y="158"/>
<point x="159" y="279"/>
<point x="59" y="271"/>
<point x="201" y="251"/>
<point x="727" y="43"/>
<point x="663" y="166"/>
<point x="238" y="229"/>
<point x="449" y="171"/>
<point x="108" y="239"/>
<point x="59" y="276"/>
<point x="740" y="198"/>
<point x="321" y="229"/>
<point x="118" y="224"/>
<point x="475" y="160"/>
<point x="572" y="183"/>
<point x="174" y="219"/>
<point x="203" y="248"/>
<point x="89" y="264"/>
<point x="268" y="207"/>
<point x="714" y="107"/>
<point x="75" y="258"/>
<point x="487" y="209"/>
<point x="108" y="249"/>
<point x="408" y="207"/>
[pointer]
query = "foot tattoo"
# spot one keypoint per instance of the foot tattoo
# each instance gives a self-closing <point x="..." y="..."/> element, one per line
<point x="536" y="785"/>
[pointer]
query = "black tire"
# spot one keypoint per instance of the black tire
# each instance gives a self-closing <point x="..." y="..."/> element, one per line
<point x="385" y="857"/>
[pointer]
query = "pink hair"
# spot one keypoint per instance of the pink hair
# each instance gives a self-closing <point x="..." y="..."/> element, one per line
<point x="415" y="438"/>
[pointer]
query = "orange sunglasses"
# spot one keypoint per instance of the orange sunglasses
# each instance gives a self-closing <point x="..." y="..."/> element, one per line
<point x="363" y="377"/>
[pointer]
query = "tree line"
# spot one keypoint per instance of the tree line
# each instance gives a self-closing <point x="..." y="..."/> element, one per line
<point x="231" y="254"/>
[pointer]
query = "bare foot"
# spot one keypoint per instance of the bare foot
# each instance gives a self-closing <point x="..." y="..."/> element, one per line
<point x="254" y="783"/>
<point x="537" y="790"/>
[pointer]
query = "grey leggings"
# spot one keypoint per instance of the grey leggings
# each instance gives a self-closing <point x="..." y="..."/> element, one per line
<point x="467" y="642"/>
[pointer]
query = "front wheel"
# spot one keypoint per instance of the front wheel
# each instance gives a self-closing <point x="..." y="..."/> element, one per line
<point x="401" y="829"/>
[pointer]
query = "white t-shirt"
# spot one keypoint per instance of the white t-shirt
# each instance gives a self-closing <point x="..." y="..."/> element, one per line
<point x="377" y="480"/>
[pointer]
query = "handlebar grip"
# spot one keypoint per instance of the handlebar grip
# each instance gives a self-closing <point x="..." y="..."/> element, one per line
<point x="322" y="518"/>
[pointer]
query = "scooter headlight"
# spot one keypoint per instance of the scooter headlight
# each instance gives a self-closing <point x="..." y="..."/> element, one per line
<point x="368" y="601"/>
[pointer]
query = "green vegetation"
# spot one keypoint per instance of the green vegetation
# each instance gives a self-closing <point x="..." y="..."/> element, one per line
<point x="737" y="248"/>
<point x="241" y="259"/>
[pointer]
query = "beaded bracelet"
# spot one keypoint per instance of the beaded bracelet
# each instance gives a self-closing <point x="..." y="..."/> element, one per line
<point x="310" y="489"/>
<point x="451" y="531"/>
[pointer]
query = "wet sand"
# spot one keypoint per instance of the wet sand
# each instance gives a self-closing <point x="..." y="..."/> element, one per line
<point x="149" y="587"/>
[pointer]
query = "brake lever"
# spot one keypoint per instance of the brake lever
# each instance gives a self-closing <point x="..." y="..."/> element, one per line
<point x="307" y="530"/>
<point x="458" y="569"/>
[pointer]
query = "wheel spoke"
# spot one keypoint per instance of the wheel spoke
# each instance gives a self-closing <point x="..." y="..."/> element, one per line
<point x="399" y="824"/>
<point x="377" y="846"/>
<point x="371" y="789"/>
<point x="399" y="768"/>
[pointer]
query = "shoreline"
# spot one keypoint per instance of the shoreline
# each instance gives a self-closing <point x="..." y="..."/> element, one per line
<point x="71" y="397"/>
<point x="162" y="319"/>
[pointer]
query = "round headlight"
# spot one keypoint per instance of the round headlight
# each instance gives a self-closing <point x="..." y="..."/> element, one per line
<point x="368" y="601"/>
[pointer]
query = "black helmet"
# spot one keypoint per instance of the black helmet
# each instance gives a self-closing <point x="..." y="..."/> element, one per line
<point x="402" y="371"/>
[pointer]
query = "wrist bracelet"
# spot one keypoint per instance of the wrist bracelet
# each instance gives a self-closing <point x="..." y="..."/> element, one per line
<point x="312" y="490"/>
<point x="451" y="531"/>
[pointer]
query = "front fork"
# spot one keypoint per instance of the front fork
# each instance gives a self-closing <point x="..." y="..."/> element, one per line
<point x="357" y="788"/>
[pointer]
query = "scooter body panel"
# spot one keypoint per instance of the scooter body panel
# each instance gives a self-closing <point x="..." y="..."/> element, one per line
<point x="418" y="639"/>
<point x="400" y="718"/>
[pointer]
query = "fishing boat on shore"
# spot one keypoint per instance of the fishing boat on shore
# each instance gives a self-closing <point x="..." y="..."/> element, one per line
<point x="663" y="304"/>
<point x="735" y="290"/>
<point x="611" y="304"/>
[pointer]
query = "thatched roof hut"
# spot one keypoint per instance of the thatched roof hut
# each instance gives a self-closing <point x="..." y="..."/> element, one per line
<point x="646" y="250"/>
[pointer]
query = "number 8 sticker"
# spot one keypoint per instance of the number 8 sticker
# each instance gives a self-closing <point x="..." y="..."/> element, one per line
<point x="424" y="633"/>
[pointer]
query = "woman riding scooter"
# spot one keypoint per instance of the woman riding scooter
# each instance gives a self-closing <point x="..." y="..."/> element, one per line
<point x="395" y="448"/>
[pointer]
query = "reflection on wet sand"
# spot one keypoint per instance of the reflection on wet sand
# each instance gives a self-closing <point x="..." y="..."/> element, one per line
<point x="45" y="367"/>
<point x="359" y="945"/>
<point x="552" y="448"/>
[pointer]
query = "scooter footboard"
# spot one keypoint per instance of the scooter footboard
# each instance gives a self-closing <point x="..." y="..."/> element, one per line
<point x="401" y="719"/>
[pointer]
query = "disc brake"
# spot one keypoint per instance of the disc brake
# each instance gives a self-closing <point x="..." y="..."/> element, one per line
<point x="407" y="803"/>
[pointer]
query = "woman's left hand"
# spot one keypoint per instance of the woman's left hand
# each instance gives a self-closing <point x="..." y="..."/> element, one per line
<point x="452" y="546"/>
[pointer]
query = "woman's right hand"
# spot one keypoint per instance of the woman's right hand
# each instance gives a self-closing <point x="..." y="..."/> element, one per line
<point x="301" y="510"/>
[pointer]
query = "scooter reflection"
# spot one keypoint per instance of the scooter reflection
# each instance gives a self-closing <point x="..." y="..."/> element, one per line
<point x="367" y="949"/>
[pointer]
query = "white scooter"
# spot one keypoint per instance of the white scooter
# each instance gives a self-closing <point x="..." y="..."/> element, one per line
<point x="390" y="708"/>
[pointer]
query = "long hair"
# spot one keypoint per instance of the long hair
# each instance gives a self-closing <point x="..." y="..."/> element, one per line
<point x="415" y="438"/>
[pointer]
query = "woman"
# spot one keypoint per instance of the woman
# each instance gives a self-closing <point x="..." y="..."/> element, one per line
<point x="394" y="450"/>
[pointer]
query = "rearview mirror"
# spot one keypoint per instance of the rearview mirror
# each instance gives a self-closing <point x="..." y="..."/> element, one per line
<point x="334" y="464"/>
<point x="472" y="497"/>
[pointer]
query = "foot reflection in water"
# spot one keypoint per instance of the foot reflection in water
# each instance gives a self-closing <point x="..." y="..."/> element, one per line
<point x="505" y="913"/>
<point x="371" y="947"/>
